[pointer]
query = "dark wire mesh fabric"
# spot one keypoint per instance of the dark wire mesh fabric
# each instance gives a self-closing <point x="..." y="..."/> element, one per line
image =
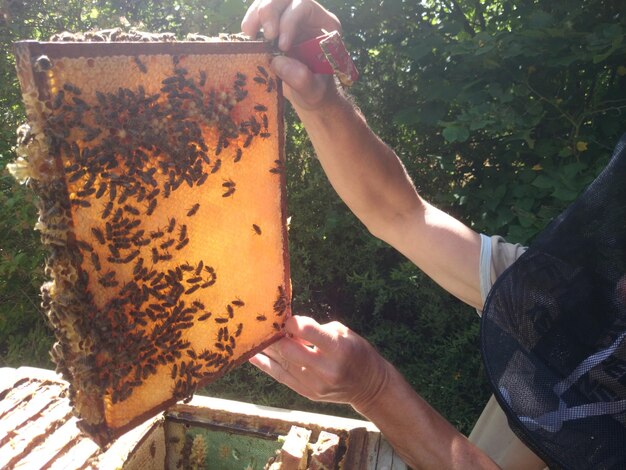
<point x="553" y="332"/>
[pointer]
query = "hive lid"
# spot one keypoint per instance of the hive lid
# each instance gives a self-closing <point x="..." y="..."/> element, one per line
<point x="159" y="170"/>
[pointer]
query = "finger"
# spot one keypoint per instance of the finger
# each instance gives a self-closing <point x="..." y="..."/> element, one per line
<point x="267" y="15"/>
<point x="293" y="356"/>
<point x="296" y="18"/>
<point x="272" y="368"/>
<point x="322" y="336"/>
<point x="300" y="79"/>
<point x="250" y="24"/>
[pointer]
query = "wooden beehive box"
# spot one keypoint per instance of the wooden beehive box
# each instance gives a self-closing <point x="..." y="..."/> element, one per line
<point x="158" y="168"/>
<point x="38" y="430"/>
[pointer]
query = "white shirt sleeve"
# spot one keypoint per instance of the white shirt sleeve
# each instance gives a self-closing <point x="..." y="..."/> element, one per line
<point x="485" y="267"/>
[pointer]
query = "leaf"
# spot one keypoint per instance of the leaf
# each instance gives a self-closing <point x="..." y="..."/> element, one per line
<point x="564" y="194"/>
<point x="581" y="146"/>
<point x="543" y="182"/>
<point x="455" y="133"/>
<point x="571" y="170"/>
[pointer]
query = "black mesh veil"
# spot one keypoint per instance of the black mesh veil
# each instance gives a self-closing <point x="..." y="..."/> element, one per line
<point x="553" y="331"/>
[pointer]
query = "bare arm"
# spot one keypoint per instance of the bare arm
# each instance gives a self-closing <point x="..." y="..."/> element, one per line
<point x="364" y="171"/>
<point x="372" y="181"/>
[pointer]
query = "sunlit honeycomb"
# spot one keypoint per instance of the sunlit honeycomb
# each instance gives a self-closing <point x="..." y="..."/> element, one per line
<point x="159" y="171"/>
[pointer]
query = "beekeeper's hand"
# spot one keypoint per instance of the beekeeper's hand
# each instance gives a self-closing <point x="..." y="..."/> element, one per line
<point x="291" y="22"/>
<point x="326" y="362"/>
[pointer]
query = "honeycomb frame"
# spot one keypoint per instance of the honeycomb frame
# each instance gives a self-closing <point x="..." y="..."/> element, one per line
<point x="121" y="207"/>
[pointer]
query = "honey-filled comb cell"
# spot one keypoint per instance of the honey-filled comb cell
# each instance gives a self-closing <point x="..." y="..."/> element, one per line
<point x="158" y="168"/>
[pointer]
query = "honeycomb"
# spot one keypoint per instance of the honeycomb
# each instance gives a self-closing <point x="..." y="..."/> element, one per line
<point x="158" y="168"/>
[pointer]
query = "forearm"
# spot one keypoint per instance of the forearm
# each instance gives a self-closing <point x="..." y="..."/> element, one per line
<point x="364" y="171"/>
<point x="372" y="181"/>
<point x="422" y="437"/>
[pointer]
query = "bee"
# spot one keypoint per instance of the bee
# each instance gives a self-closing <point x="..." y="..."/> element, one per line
<point x="58" y="99"/>
<point x="140" y="65"/>
<point x="216" y="166"/>
<point x="101" y="190"/>
<point x="229" y="350"/>
<point x="256" y="229"/>
<point x="219" y="346"/>
<point x="172" y="222"/>
<point x="276" y="326"/>
<point x="134" y="224"/>
<point x="261" y="317"/>
<point x="43" y="63"/>
<point x="108" y="280"/>
<point x="81" y="203"/>
<point x="170" y="81"/>
<point x="192" y="289"/>
<point x="239" y="329"/>
<point x="264" y="135"/>
<point x="98" y="234"/>
<point x="220" y="320"/>
<point x="138" y="266"/>
<point x="202" y="80"/>
<point x="240" y="93"/>
<point x="130" y="209"/>
<point x="271" y="84"/>
<point x="248" y="141"/>
<point x="79" y="102"/>
<point x="194" y="280"/>
<point x="261" y="69"/>
<point x="183" y="233"/>
<point x="117" y="217"/>
<point x="260" y="80"/>
<point x="182" y="244"/>
<point x="91" y="133"/>
<point x="155" y="255"/>
<point x="76" y="176"/>
<point x="231" y="312"/>
<point x="165" y="245"/>
<point x="202" y="179"/>
<point x="156" y="234"/>
<point x="72" y="89"/>
<point x="241" y="76"/>
<point x="154" y="193"/>
<point x="238" y="303"/>
<point x="230" y="185"/>
<point x="260" y="108"/>
<point x="192" y="211"/>
<point x="238" y="155"/>
<point x="151" y="206"/>
<point x="205" y="316"/>
<point x="95" y="260"/>
<point x="114" y="251"/>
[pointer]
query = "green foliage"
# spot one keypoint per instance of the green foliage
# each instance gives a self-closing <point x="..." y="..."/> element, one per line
<point x="518" y="103"/>
<point x="501" y="111"/>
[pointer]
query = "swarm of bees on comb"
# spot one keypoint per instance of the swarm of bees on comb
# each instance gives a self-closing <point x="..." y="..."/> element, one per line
<point x="158" y="167"/>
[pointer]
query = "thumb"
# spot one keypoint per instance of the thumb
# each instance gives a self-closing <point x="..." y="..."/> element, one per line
<point x="304" y="88"/>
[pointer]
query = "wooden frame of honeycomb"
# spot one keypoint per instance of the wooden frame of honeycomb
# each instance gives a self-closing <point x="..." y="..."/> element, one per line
<point x="158" y="168"/>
